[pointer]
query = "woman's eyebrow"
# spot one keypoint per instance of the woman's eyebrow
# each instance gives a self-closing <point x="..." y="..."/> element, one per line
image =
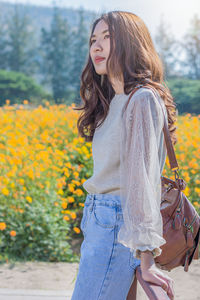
<point x="93" y="35"/>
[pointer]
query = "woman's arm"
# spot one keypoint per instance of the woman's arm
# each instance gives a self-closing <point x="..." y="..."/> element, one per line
<point x="140" y="176"/>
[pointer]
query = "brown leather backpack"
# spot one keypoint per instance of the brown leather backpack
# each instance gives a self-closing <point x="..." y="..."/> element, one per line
<point x="181" y="222"/>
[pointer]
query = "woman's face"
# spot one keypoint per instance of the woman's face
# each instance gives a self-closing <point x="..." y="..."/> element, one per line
<point x="100" y="47"/>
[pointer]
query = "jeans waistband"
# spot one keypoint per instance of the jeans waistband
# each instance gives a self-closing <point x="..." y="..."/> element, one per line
<point x="104" y="199"/>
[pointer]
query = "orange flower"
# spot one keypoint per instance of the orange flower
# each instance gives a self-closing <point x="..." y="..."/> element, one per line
<point x="64" y="205"/>
<point x="76" y="229"/>
<point x="13" y="233"/>
<point x="73" y="215"/>
<point x="2" y="225"/>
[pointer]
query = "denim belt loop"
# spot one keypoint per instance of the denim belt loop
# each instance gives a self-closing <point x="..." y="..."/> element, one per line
<point x="92" y="204"/>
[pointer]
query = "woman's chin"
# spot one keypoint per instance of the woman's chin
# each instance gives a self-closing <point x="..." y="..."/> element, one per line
<point x="101" y="72"/>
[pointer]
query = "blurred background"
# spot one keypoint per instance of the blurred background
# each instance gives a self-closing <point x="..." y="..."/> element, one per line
<point x="43" y="160"/>
<point x="44" y="46"/>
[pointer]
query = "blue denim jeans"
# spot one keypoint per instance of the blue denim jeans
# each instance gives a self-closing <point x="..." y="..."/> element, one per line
<point x="106" y="268"/>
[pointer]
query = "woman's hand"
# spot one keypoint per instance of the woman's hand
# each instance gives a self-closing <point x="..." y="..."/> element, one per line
<point x="152" y="274"/>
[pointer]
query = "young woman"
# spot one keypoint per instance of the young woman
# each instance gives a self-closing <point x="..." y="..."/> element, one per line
<point x="122" y="223"/>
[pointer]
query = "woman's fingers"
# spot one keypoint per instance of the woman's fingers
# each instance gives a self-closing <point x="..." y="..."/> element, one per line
<point x="168" y="280"/>
<point x="165" y="284"/>
<point x="162" y="283"/>
<point x="154" y="278"/>
<point x="160" y="279"/>
<point x="170" y="287"/>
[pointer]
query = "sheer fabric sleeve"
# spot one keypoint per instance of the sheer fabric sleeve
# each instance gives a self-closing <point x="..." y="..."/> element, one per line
<point x="140" y="176"/>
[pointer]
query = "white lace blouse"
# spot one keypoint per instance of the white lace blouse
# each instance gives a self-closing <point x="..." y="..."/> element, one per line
<point x="129" y="154"/>
<point x="142" y="157"/>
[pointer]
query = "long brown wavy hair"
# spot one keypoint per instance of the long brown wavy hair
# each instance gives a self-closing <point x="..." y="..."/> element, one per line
<point x="132" y="53"/>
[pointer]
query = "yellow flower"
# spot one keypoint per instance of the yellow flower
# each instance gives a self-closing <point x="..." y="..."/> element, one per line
<point x="56" y="203"/>
<point x="79" y="192"/>
<point x="71" y="187"/>
<point x="187" y="191"/>
<point x="193" y="171"/>
<point x="197" y="190"/>
<point x="2" y="225"/>
<point x="29" y="199"/>
<point x="25" y="101"/>
<point x="76" y="174"/>
<point x="7" y="101"/>
<point x="60" y="192"/>
<point x="12" y="185"/>
<point x="5" y="191"/>
<point x="30" y="174"/>
<point x="66" y="218"/>
<point x="70" y="199"/>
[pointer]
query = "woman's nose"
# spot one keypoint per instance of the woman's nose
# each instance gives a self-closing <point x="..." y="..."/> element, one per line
<point x="97" y="46"/>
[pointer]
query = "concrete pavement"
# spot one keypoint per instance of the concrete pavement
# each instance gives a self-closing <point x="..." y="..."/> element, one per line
<point x="18" y="294"/>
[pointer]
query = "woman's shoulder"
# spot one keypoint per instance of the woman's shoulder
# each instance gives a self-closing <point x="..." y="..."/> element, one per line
<point x="146" y="100"/>
<point x="144" y="94"/>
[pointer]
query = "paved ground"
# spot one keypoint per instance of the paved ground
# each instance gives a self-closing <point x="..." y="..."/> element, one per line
<point x="10" y="294"/>
<point x="55" y="281"/>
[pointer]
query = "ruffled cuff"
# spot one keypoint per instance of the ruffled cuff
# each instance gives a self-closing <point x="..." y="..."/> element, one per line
<point x="156" y="252"/>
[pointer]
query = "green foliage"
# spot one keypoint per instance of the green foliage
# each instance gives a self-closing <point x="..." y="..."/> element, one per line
<point x="16" y="86"/>
<point x="55" y="45"/>
<point x="3" y="45"/>
<point x="80" y="50"/>
<point x="21" y="43"/>
<point x="41" y="232"/>
<point x="191" y="46"/>
<point x="186" y="93"/>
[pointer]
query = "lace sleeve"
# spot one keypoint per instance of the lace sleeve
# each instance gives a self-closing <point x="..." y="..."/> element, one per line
<point x="140" y="175"/>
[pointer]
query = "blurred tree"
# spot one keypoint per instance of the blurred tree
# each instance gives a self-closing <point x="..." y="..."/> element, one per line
<point x="21" y="50"/>
<point x="191" y="46"/>
<point x="80" y="49"/>
<point x="166" y="44"/>
<point x="186" y="93"/>
<point x="17" y="86"/>
<point x="56" y="51"/>
<point x="3" y="43"/>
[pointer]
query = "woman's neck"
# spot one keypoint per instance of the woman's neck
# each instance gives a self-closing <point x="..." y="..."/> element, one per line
<point x="118" y="86"/>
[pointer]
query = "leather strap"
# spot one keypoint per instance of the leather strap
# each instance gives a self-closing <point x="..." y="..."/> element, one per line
<point x="170" y="149"/>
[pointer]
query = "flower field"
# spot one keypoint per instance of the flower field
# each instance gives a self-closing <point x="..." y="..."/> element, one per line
<point x="43" y="164"/>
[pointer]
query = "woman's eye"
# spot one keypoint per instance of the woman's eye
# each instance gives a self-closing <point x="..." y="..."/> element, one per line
<point x="95" y="40"/>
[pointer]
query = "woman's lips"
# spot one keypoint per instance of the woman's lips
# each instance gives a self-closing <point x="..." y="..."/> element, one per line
<point x="98" y="60"/>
